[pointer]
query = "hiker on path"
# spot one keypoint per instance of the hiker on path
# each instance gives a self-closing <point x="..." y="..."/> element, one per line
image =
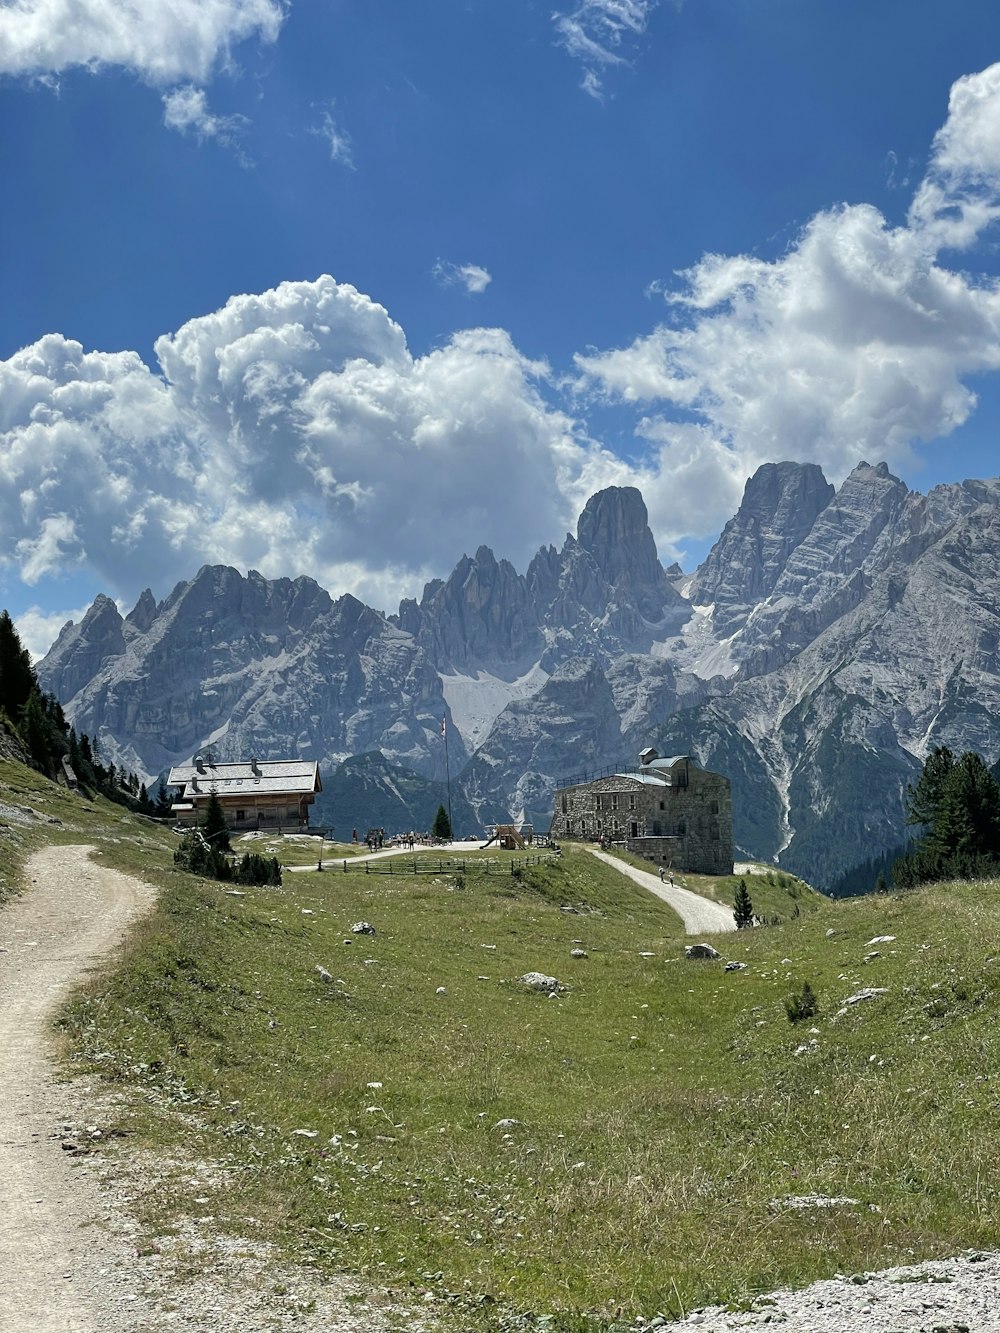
<point x="661" y="876"/>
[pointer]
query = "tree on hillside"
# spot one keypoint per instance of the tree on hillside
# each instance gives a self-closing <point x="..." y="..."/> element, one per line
<point x="957" y="802"/>
<point x="214" y="828"/>
<point x="742" y="907"/>
<point x="924" y="800"/>
<point x="162" y="801"/>
<point x="442" y="824"/>
<point x="17" y="675"/>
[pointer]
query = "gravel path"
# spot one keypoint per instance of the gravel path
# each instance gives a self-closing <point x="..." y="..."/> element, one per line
<point x="69" y="1256"/>
<point x="68" y="1247"/>
<point x="700" y="915"/>
<point x="50" y="1268"/>
<point x="946" y="1296"/>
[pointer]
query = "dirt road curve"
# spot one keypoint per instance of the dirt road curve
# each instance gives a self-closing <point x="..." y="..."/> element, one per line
<point x="700" y="915"/>
<point x="73" y="913"/>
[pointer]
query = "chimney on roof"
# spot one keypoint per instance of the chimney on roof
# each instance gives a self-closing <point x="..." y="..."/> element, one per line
<point x="199" y="763"/>
<point x="255" y="768"/>
<point x="648" y="755"/>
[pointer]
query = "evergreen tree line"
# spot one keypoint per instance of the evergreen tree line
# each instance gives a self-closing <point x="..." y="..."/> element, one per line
<point x="956" y="804"/>
<point x="37" y="720"/>
<point x="207" y="851"/>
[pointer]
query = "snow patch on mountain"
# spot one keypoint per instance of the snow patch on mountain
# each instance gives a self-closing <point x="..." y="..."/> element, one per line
<point x="476" y="701"/>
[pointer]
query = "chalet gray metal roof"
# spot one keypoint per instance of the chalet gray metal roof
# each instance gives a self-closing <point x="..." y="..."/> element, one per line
<point x="247" y="777"/>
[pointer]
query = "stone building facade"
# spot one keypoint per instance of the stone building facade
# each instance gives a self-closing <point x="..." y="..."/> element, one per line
<point x="669" y="811"/>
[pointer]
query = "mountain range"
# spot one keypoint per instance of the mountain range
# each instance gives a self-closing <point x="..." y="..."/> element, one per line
<point x="829" y="638"/>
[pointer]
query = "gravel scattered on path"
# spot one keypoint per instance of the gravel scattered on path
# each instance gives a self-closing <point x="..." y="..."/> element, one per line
<point x="700" y="915"/>
<point x="72" y="1258"/>
<point x="943" y="1296"/>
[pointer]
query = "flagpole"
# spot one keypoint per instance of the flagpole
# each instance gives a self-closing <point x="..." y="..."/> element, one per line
<point x="447" y="769"/>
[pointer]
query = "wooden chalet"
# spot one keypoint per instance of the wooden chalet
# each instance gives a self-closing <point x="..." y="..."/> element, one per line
<point x="270" y="794"/>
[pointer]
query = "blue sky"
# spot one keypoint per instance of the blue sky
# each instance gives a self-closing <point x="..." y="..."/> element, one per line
<point x="347" y="287"/>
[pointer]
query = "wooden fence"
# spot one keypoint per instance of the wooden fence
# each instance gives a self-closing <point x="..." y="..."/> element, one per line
<point x="441" y="865"/>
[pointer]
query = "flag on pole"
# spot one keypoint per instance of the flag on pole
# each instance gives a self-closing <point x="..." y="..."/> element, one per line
<point x="443" y="730"/>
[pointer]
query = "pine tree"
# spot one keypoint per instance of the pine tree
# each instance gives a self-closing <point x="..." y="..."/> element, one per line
<point x="742" y="907"/>
<point x="35" y="731"/>
<point x="17" y="675"/>
<point x="924" y="800"/>
<point x="958" y="804"/>
<point x="442" y="824"/>
<point x="162" y="801"/>
<point x="215" y="828"/>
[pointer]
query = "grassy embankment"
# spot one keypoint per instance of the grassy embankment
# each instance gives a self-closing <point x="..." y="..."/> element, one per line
<point x="665" y="1111"/>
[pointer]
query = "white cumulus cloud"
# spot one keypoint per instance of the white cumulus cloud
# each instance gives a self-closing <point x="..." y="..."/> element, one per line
<point x="859" y="341"/>
<point x="292" y="431"/>
<point x="163" y="41"/>
<point x="472" y="278"/>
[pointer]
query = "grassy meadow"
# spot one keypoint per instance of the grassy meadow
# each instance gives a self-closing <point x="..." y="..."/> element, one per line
<point x="656" y="1137"/>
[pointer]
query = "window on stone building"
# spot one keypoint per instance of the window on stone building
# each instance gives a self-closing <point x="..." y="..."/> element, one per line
<point x="565" y="804"/>
<point x="631" y="800"/>
<point x="715" y="807"/>
<point x="614" y="800"/>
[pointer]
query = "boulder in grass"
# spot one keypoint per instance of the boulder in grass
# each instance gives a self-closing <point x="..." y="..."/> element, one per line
<point x="363" y="928"/>
<point x="578" y="953"/>
<point x="539" y="981"/>
<point x="701" y="951"/>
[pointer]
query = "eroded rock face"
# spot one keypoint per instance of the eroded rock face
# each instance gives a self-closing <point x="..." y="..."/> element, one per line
<point x="827" y="641"/>
<point x="781" y="504"/>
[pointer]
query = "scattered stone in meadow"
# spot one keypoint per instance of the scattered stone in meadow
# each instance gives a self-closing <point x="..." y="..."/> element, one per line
<point x="307" y="911"/>
<point x="830" y="933"/>
<point x="441" y="990"/>
<point x="882" y="939"/>
<point x="371" y="962"/>
<point x="373" y="1085"/>
<point x="306" y="1133"/>
<point x="696" y="951"/>
<point x="324" y="975"/>
<point x="800" y="1201"/>
<point x="539" y="981"/>
<point x="870" y="957"/>
<point x="867" y="993"/>
<point x="362" y="928"/>
<point x="506" y="1123"/>
<point x="736" y="967"/>
<point x="578" y="953"/>
<point x="487" y="946"/>
<point x="647" y="954"/>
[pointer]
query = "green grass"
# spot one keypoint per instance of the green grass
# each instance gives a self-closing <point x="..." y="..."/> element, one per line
<point x="664" y="1109"/>
<point x="776" y="895"/>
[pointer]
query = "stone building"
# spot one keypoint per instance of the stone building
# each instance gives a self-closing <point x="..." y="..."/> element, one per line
<point x="669" y="811"/>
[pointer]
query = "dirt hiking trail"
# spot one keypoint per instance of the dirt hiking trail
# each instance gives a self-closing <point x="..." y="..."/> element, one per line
<point x="70" y="1260"/>
<point x="71" y="915"/>
<point x="700" y="915"/>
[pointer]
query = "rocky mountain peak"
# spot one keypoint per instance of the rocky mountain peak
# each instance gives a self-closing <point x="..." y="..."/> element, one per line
<point x="781" y="502"/>
<point x="614" y="532"/>
<point x="82" y="651"/>
<point x="143" y="613"/>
